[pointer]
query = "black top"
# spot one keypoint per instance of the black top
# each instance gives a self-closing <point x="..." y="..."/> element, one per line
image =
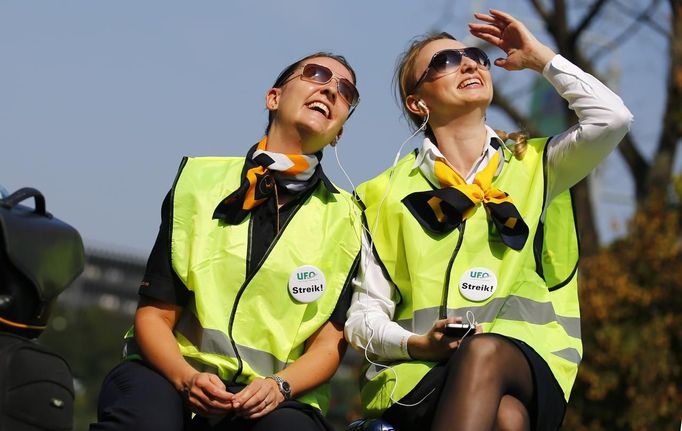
<point x="161" y="283"/>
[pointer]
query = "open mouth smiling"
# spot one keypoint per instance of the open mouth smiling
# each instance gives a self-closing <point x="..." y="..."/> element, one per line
<point x="470" y="82"/>
<point x="320" y="107"/>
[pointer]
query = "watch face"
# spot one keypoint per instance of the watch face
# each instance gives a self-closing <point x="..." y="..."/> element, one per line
<point x="286" y="387"/>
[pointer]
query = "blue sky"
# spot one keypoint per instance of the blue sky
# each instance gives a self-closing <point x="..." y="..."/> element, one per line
<point x="99" y="100"/>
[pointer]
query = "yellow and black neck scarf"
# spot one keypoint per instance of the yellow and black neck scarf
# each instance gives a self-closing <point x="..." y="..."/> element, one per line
<point x="264" y="171"/>
<point x="442" y="210"/>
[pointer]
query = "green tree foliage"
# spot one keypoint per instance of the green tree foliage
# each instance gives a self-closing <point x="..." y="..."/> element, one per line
<point x="631" y="297"/>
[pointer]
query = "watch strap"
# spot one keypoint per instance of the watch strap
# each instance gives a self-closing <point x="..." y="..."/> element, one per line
<point x="283" y="385"/>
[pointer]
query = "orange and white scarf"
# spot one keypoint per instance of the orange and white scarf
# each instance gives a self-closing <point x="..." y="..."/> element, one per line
<point x="263" y="172"/>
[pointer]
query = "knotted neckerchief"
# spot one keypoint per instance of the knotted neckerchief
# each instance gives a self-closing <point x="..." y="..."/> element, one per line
<point x="263" y="171"/>
<point x="442" y="210"/>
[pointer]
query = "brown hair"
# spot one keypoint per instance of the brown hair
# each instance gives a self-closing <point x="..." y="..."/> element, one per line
<point x="290" y="69"/>
<point x="520" y="142"/>
<point x="404" y="78"/>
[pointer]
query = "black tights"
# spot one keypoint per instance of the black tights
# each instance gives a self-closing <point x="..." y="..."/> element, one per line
<point x="489" y="386"/>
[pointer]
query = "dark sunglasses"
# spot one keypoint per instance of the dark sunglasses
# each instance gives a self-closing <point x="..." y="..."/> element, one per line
<point x="448" y="60"/>
<point x="322" y="75"/>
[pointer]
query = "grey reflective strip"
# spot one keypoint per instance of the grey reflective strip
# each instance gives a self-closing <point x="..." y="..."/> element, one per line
<point x="205" y="340"/>
<point x="424" y="318"/>
<point x="263" y="363"/>
<point x="510" y="308"/>
<point x="571" y="325"/>
<point x="569" y="354"/>
<point x="216" y="342"/>
<point x="524" y="309"/>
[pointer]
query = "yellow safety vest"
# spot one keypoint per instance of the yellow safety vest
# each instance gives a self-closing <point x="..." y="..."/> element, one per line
<point x="246" y="327"/>
<point x="426" y="268"/>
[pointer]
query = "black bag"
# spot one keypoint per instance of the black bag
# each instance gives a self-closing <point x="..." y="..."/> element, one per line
<point x="39" y="257"/>
<point x="36" y="387"/>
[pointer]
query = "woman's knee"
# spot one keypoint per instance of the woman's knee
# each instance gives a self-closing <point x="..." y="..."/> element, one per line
<point x="135" y="397"/>
<point x="479" y="350"/>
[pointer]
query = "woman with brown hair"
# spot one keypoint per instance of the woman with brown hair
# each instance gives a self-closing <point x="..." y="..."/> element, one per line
<point x="245" y="293"/>
<point x="458" y="239"/>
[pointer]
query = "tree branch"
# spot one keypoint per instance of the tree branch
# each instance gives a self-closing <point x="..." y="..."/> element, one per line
<point x="639" y="167"/>
<point x="587" y="19"/>
<point x="540" y="9"/>
<point x="652" y="23"/>
<point x="520" y="119"/>
<point x="660" y="173"/>
<point x="626" y="34"/>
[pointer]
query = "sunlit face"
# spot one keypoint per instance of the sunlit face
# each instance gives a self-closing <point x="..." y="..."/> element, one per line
<point x="316" y="111"/>
<point x="461" y="90"/>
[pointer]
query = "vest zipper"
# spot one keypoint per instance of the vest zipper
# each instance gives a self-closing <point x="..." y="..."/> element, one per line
<point x="240" y="364"/>
<point x="443" y="313"/>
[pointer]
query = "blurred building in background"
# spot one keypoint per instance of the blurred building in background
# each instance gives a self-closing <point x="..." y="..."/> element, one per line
<point x="110" y="281"/>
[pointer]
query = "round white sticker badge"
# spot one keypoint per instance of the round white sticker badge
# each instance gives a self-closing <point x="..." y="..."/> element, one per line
<point x="478" y="284"/>
<point x="306" y="283"/>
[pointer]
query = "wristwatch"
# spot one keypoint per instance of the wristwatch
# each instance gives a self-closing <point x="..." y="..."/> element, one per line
<point x="284" y="386"/>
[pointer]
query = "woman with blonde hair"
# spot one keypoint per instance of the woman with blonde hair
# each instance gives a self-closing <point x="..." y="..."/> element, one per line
<point x="459" y="238"/>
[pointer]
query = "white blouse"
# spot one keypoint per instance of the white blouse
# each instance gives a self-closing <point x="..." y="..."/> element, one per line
<point x="603" y="120"/>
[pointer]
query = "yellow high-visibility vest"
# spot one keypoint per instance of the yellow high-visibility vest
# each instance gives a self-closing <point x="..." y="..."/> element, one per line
<point x="432" y="272"/>
<point x="242" y="327"/>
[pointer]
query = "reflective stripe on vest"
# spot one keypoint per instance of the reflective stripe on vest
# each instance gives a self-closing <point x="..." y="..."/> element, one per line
<point x="518" y="308"/>
<point x="417" y="263"/>
<point x="211" y="341"/>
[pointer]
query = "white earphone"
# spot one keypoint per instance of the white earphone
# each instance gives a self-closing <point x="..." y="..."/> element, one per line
<point x="423" y="106"/>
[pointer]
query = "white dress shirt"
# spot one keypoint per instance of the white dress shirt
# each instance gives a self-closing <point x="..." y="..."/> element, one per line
<point x="603" y="120"/>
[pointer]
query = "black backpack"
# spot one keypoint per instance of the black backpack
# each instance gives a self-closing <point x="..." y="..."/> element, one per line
<point x="36" y="387"/>
<point x="39" y="257"/>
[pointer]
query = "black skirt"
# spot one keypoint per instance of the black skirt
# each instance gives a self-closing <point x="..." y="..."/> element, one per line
<point x="547" y="407"/>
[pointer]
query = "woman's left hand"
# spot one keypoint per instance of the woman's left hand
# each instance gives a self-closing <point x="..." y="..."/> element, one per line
<point x="523" y="50"/>
<point x="259" y="398"/>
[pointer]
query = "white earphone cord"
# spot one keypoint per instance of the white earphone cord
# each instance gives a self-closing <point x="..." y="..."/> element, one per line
<point x="370" y="233"/>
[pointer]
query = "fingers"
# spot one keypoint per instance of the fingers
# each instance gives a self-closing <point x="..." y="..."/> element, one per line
<point x="490" y="21"/>
<point x="259" y="398"/>
<point x="440" y="324"/>
<point x="207" y="395"/>
<point x="266" y="407"/>
<point x="502" y="16"/>
<point x="453" y="345"/>
<point x="491" y="31"/>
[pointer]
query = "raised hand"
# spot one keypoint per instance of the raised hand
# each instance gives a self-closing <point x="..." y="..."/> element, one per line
<point x="523" y="50"/>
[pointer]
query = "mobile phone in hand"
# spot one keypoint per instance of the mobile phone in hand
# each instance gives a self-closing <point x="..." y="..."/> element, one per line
<point x="457" y="330"/>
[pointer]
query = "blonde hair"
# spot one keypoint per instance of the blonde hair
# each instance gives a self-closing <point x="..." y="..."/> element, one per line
<point x="520" y="142"/>
<point x="404" y="78"/>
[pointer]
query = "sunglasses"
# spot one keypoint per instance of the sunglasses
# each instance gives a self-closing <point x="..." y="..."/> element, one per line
<point x="449" y="60"/>
<point x="322" y="75"/>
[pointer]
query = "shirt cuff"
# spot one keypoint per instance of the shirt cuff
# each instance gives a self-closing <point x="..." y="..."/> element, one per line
<point x="395" y="343"/>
